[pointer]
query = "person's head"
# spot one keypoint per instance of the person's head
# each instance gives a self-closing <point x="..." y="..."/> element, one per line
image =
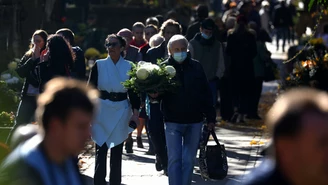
<point x="233" y="5"/>
<point x="160" y="19"/>
<point x="67" y="34"/>
<point x="115" y="45"/>
<point x="39" y="39"/>
<point x="298" y="123"/>
<point x="127" y="35"/>
<point x="65" y="111"/>
<point x="230" y="22"/>
<point x="202" y="11"/>
<point x="172" y="14"/>
<point x="156" y="40"/>
<point x="245" y="6"/>
<point x="138" y="29"/>
<point x="60" y="52"/>
<point x="206" y="28"/>
<point x="150" y="31"/>
<point x="153" y="21"/>
<point x="170" y="28"/>
<point x="265" y="5"/>
<point x="242" y="20"/>
<point x="177" y="48"/>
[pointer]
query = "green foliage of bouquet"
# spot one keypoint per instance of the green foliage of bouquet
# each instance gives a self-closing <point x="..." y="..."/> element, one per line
<point x="151" y="78"/>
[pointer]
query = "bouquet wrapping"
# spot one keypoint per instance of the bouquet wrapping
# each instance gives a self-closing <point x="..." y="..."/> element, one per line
<point x="151" y="78"/>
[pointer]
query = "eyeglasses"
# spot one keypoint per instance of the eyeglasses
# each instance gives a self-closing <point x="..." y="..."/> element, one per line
<point x="113" y="45"/>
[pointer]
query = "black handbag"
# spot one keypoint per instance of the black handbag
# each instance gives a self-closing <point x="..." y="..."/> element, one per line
<point x="213" y="162"/>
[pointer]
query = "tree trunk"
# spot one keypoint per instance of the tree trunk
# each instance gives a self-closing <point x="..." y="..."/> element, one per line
<point x="15" y="29"/>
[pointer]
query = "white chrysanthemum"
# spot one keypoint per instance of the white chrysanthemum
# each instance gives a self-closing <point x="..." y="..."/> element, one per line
<point x="171" y="70"/>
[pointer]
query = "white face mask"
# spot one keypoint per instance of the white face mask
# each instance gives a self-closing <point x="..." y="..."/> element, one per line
<point x="180" y="56"/>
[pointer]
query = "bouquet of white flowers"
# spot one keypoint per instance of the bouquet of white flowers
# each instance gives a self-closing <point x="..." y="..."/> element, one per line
<point x="150" y="78"/>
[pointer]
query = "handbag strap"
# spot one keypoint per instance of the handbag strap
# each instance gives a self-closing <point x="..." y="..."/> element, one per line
<point x="215" y="137"/>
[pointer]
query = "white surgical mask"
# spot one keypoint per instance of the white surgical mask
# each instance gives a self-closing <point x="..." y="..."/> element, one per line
<point x="206" y="36"/>
<point x="180" y="56"/>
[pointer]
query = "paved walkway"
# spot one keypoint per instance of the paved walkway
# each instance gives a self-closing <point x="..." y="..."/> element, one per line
<point x="242" y="145"/>
<point x="139" y="169"/>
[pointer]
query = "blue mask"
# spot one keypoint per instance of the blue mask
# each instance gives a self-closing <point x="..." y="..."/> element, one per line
<point x="180" y="56"/>
<point x="206" y="36"/>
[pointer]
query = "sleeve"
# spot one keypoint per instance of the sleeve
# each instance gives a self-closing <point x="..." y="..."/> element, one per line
<point x="208" y="109"/>
<point x="25" y="66"/>
<point x="191" y="50"/>
<point x="221" y="66"/>
<point x="93" y="77"/>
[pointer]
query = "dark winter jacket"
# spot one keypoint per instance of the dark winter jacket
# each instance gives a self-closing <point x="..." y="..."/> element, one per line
<point x="78" y="70"/>
<point x="193" y="100"/>
<point x="26" y="69"/>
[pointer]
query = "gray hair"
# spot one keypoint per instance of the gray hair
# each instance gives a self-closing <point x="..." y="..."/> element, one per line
<point x="156" y="40"/>
<point x="176" y="38"/>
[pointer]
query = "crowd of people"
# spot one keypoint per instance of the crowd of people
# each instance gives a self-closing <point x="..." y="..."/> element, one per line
<point x="216" y="59"/>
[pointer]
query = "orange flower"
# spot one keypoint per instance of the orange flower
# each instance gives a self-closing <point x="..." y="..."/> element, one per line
<point x="288" y="78"/>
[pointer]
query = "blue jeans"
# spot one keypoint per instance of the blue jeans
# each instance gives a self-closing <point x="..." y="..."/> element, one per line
<point x="182" y="142"/>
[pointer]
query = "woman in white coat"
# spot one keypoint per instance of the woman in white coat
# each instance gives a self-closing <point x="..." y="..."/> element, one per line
<point x="117" y="108"/>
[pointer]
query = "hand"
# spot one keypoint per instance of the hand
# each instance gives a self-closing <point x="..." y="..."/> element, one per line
<point x="36" y="52"/>
<point x="45" y="56"/>
<point x="211" y="126"/>
<point x="135" y="116"/>
<point x="153" y="95"/>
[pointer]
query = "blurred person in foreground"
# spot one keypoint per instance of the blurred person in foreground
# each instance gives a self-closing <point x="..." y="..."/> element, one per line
<point x="299" y="149"/>
<point x="65" y="111"/>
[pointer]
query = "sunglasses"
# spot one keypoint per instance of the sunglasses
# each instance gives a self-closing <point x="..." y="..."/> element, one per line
<point x="114" y="44"/>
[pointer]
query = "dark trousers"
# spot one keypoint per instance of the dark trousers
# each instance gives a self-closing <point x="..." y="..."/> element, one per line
<point x="241" y="93"/>
<point x="255" y="96"/>
<point x="26" y="110"/>
<point x="157" y="133"/>
<point x="115" y="165"/>
<point x="25" y="113"/>
<point x="282" y="33"/>
<point x="226" y="107"/>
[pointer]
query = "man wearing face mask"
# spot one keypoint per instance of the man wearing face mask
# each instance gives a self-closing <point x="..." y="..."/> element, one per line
<point x="184" y="111"/>
<point x="208" y="51"/>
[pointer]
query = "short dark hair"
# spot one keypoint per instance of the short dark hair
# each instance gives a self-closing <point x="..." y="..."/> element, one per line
<point x="67" y="34"/>
<point x="152" y="20"/>
<point x="121" y="39"/>
<point x="285" y="118"/>
<point x="202" y="11"/>
<point x="61" y="96"/>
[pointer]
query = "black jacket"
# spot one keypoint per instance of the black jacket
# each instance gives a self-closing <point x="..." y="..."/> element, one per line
<point x="193" y="100"/>
<point x="157" y="53"/>
<point x="78" y="70"/>
<point x="26" y="69"/>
